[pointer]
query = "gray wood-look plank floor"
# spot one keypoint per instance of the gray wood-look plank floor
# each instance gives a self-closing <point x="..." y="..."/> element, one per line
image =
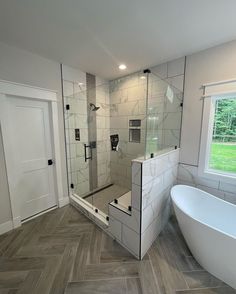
<point x="63" y="252"/>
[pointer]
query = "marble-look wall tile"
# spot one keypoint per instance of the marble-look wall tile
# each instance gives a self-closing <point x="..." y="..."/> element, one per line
<point x="136" y="173"/>
<point x="131" y="239"/>
<point x="150" y="235"/>
<point x="136" y="194"/>
<point x="115" y="228"/>
<point x="159" y="174"/>
<point x="151" y="190"/>
<point x="176" y="67"/>
<point x="230" y="197"/>
<point x="188" y="175"/>
<point x="131" y="220"/>
<point x="152" y="168"/>
<point x="127" y="101"/>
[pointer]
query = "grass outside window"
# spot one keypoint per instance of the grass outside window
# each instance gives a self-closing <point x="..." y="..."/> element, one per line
<point x="223" y="157"/>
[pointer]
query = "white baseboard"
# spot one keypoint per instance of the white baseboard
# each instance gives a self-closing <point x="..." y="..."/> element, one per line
<point x="64" y="201"/>
<point x="6" y="227"/>
<point x="16" y="222"/>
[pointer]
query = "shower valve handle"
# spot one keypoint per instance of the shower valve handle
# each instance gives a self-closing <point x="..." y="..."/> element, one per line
<point x="85" y="152"/>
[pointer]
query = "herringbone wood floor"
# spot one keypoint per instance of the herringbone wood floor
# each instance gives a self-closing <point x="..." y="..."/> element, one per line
<point x="63" y="252"/>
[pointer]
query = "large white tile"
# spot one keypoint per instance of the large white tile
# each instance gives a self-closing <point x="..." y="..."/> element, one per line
<point x="151" y="190"/>
<point x="177" y="82"/>
<point x="136" y="173"/>
<point x="227" y="187"/>
<point x="174" y="157"/>
<point x="171" y="120"/>
<point x="129" y="108"/>
<point x="119" y="122"/>
<point x="147" y="217"/>
<point x="212" y="191"/>
<point x="230" y="197"/>
<point x="150" y="235"/>
<point x="170" y="177"/>
<point x="131" y="220"/>
<point x="176" y="67"/>
<point x="160" y="70"/>
<point x="136" y="196"/>
<point x="187" y="173"/>
<point x="154" y="209"/>
<point x="131" y="239"/>
<point x="159" y="204"/>
<point x="115" y="228"/>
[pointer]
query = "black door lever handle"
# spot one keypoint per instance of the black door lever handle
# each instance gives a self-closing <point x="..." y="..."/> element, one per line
<point x="50" y="162"/>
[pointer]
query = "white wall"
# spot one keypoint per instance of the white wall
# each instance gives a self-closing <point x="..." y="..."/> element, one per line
<point x="215" y="64"/>
<point x="24" y="67"/>
<point x="5" y="208"/>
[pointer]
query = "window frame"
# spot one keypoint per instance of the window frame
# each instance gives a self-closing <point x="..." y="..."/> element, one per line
<point x="206" y="139"/>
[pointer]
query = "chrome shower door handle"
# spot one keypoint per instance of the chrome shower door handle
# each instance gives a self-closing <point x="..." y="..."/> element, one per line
<point x="85" y="152"/>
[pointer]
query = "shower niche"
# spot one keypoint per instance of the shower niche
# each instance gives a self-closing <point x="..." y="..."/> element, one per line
<point x="135" y="130"/>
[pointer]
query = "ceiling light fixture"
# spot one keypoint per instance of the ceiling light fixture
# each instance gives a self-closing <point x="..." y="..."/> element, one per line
<point x="142" y="77"/>
<point x="122" y="66"/>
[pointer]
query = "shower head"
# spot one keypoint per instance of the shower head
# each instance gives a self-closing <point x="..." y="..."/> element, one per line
<point x="93" y="107"/>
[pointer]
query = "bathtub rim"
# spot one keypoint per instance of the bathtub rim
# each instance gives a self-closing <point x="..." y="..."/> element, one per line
<point x="197" y="220"/>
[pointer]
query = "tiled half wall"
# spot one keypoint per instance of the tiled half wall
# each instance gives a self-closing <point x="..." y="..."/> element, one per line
<point x="152" y="180"/>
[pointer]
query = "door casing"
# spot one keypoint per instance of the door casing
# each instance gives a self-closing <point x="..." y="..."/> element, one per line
<point x="25" y="91"/>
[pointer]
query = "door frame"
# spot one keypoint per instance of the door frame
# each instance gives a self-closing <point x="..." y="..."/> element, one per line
<point x="33" y="93"/>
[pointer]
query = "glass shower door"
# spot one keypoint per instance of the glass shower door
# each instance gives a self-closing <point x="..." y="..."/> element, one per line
<point x="79" y="153"/>
<point x="87" y="124"/>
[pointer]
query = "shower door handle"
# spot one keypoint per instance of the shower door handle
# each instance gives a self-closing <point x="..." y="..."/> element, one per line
<point x="85" y="152"/>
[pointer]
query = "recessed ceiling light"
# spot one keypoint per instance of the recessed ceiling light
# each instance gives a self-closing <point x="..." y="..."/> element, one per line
<point x="142" y="77"/>
<point x="122" y="66"/>
<point x="80" y="84"/>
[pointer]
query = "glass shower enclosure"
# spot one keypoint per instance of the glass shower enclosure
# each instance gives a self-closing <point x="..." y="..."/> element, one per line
<point x="110" y="124"/>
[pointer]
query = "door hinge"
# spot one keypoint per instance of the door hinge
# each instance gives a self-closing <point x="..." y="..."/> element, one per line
<point x="72" y="186"/>
<point x="67" y="106"/>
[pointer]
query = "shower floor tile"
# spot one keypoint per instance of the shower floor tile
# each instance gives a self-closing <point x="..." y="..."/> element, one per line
<point x="102" y="198"/>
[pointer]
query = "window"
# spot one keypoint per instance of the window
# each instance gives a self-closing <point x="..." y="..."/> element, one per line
<point x="222" y="155"/>
<point x="218" y="140"/>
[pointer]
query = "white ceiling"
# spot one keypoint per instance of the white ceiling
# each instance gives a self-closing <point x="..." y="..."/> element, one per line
<point x="97" y="35"/>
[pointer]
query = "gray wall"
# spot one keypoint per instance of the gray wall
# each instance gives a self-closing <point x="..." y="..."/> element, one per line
<point x="212" y="65"/>
<point x="215" y="64"/>
<point x="24" y="67"/>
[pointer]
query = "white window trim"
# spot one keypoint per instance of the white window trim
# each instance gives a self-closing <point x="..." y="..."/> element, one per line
<point x="27" y="91"/>
<point x="206" y="138"/>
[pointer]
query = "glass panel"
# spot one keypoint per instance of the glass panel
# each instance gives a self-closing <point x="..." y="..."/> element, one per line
<point x="128" y="113"/>
<point x="108" y="125"/>
<point x="223" y="146"/>
<point x="164" y="114"/>
<point x="97" y="125"/>
<point x="76" y="124"/>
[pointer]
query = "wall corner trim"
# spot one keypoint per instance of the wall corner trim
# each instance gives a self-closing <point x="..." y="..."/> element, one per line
<point x="64" y="201"/>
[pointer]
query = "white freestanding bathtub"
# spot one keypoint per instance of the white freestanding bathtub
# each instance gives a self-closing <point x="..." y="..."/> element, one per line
<point x="209" y="228"/>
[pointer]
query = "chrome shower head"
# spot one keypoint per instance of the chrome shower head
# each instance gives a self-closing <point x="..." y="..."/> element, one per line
<point x="93" y="107"/>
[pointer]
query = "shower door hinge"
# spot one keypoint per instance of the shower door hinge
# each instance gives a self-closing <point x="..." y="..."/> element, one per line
<point x="67" y="106"/>
<point x="72" y="186"/>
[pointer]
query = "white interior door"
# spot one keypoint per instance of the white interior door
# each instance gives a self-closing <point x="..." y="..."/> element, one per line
<point x="29" y="147"/>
